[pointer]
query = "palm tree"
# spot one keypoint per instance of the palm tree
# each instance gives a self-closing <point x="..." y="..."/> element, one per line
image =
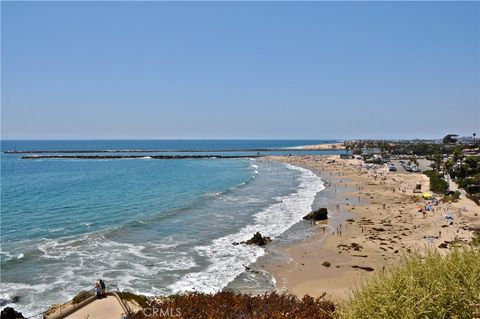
<point x="438" y="161"/>
<point x="457" y="153"/>
<point x="448" y="165"/>
<point x="474" y="134"/>
<point x="347" y="147"/>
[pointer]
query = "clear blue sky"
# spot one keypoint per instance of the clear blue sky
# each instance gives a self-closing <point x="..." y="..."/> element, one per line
<point x="239" y="70"/>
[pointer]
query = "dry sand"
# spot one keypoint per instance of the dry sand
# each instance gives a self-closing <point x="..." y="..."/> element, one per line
<point x="386" y="225"/>
<point x="329" y="146"/>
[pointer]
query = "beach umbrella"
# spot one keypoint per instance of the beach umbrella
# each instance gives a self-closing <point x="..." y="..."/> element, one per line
<point x="427" y="195"/>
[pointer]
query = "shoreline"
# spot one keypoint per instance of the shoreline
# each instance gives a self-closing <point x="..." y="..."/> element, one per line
<point x="371" y="240"/>
<point x="386" y="225"/>
<point x="323" y="147"/>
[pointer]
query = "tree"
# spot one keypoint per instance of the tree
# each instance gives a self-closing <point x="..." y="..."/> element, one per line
<point x="437" y="160"/>
<point x="450" y="139"/>
<point x="448" y="165"/>
<point x="457" y="153"/>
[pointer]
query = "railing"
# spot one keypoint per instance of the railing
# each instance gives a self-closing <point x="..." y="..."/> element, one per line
<point x="60" y="309"/>
<point x="123" y="302"/>
<point x="67" y="308"/>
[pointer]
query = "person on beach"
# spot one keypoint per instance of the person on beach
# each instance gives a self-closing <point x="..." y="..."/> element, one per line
<point x="98" y="290"/>
<point x="102" y="286"/>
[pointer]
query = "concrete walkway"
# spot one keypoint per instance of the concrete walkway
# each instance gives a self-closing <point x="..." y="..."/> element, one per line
<point x="105" y="308"/>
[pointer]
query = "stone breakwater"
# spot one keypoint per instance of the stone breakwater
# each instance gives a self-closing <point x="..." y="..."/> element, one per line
<point x="156" y="150"/>
<point x="33" y="157"/>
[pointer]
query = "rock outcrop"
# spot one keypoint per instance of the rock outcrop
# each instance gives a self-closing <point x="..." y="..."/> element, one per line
<point x="10" y="313"/>
<point x="258" y="239"/>
<point x="319" y="214"/>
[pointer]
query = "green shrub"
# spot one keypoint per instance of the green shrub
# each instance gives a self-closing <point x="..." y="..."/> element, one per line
<point x="437" y="183"/>
<point x="81" y="296"/>
<point x="452" y="197"/>
<point x="476" y="239"/>
<point x="141" y="300"/>
<point x="432" y="287"/>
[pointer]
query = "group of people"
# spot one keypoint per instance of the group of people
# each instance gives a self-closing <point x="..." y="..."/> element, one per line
<point x="100" y="289"/>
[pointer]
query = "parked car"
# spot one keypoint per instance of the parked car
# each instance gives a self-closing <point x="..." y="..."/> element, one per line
<point x="415" y="168"/>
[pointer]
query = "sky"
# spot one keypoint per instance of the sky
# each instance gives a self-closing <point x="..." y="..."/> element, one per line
<point x="226" y="70"/>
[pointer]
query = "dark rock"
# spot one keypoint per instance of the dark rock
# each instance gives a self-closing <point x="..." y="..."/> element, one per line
<point x="235" y="243"/>
<point x="258" y="239"/>
<point x="443" y="245"/>
<point x="14" y="299"/>
<point x="350" y="220"/>
<point x="356" y="246"/>
<point x="10" y="313"/>
<point x="326" y="264"/>
<point x="319" y="214"/>
<point x="251" y="270"/>
<point x="363" y="268"/>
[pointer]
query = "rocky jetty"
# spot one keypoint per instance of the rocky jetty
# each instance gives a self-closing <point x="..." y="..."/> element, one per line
<point x="104" y="157"/>
<point x="319" y="214"/>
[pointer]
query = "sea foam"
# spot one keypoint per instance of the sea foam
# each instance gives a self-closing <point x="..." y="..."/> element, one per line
<point x="227" y="261"/>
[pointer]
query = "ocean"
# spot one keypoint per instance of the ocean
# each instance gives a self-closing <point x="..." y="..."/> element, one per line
<point x="144" y="225"/>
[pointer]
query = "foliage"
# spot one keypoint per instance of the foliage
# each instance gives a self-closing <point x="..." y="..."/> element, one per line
<point x="81" y="296"/>
<point x="432" y="287"/>
<point x="472" y="164"/>
<point x="451" y="197"/>
<point x="357" y="151"/>
<point x="141" y="300"/>
<point x="234" y="305"/>
<point x="437" y="159"/>
<point x="467" y="175"/>
<point x="457" y="153"/>
<point x="476" y="239"/>
<point x="437" y="183"/>
<point x="450" y="139"/>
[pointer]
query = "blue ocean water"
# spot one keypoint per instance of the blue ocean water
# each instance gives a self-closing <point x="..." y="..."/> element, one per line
<point x="149" y="226"/>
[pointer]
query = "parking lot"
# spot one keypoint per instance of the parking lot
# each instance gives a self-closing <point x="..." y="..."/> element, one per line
<point x="423" y="165"/>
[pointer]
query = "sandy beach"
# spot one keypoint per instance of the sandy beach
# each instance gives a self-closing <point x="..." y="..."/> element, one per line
<point x="322" y="147"/>
<point x="381" y="223"/>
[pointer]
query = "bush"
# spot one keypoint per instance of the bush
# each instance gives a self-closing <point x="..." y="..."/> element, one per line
<point x="430" y="287"/>
<point x="476" y="239"/>
<point x="81" y="296"/>
<point x="141" y="300"/>
<point x="437" y="183"/>
<point x="228" y="304"/>
<point x="451" y="197"/>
